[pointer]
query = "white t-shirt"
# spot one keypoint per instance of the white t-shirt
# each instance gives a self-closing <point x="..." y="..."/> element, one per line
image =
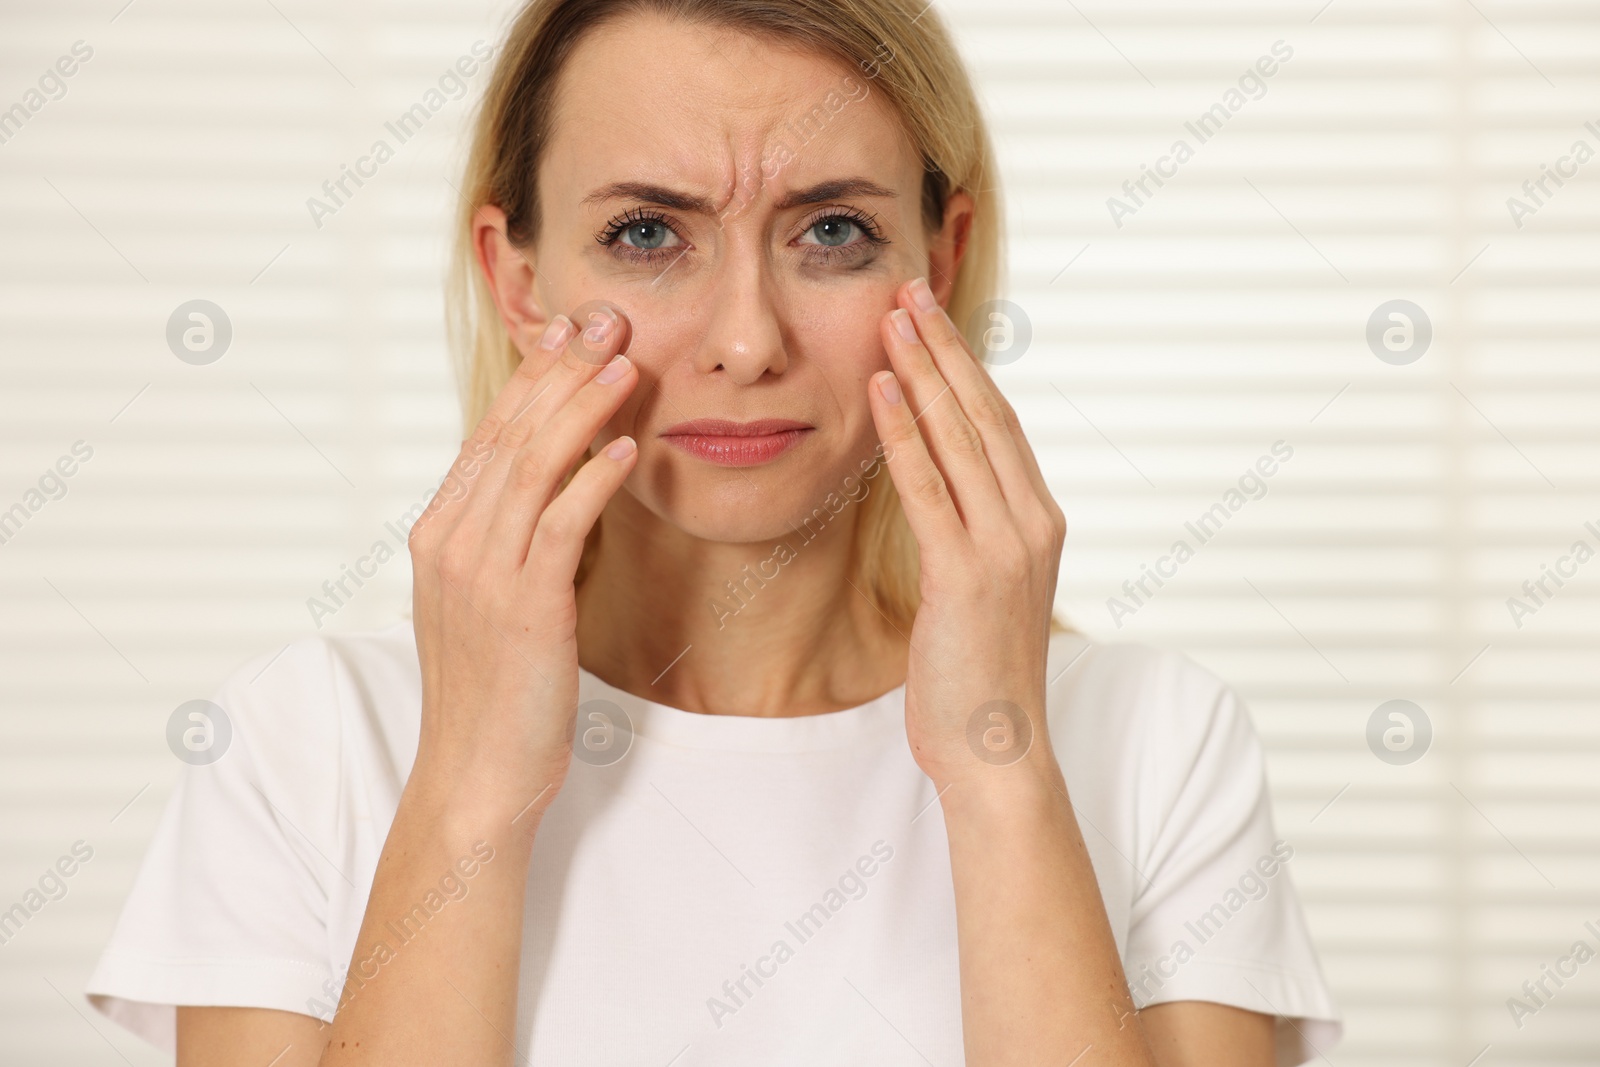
<point x="772" y="890"/>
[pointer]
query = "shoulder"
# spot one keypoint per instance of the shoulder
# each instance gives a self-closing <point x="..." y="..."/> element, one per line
<point x="309" y="672"/>
<point x="1148" y="725"/>
<point x="316" y="659"/>
<point x="1128" y="688"/>
<point x="303" y="708"/>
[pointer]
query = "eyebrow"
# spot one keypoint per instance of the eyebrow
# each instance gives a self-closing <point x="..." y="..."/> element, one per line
<point x="822" y="192"/>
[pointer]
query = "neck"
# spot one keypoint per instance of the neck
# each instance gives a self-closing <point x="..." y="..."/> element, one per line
<point x="772" y="628"/>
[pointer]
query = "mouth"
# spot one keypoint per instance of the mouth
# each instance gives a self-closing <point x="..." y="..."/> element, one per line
<point x="737" y="444"/>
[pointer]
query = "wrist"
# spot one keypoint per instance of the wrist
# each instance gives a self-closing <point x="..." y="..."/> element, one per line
<point x="1031" y="785"/>
<point x="464" y="806"/>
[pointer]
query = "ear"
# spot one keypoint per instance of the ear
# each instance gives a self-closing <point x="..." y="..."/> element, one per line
<point x="511" y="277"/>
<point x="949" y="245"/>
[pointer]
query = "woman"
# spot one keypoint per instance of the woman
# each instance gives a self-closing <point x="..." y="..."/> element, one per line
<point x="843" y="793"/>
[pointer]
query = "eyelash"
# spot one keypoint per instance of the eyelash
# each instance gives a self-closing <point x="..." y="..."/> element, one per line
<point x="872" y="235"/>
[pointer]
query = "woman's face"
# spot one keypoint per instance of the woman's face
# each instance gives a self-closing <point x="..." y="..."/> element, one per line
<point x="752" y="210"/>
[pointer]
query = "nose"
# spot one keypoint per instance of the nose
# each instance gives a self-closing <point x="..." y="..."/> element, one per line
<point x="744" y="337"/>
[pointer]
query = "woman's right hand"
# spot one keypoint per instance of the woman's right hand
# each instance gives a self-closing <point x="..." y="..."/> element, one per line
<point x="494" y="557"/>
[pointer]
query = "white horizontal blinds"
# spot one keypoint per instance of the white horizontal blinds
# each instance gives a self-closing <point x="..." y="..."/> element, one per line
<point x="219" y="497"/>
<point x="1228" y="312"/>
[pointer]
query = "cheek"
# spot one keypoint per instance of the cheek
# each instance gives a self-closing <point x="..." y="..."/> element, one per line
<point x="844" y="321"/>
<point x="839" y="338"/>
<point x="838" y="333"/>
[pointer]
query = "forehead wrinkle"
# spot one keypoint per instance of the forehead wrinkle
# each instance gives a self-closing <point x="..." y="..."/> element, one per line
<point x="714" y="139"/>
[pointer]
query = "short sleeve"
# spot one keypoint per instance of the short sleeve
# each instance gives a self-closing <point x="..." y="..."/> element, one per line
<point x="1215" y="916"/>
<point x="230" y="904"/>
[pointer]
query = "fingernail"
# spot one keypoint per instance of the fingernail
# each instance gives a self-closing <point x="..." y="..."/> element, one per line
<point x="557" y="333"/>
<point x="619" y="448"/>
<point x="903" y="325"/>
<point x="922" y="296"/>
<point x="890" y="388"/>
<point x="614" y="370"/>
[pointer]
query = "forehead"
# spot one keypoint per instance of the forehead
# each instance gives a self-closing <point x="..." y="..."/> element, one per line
<point x="655" y="99"/>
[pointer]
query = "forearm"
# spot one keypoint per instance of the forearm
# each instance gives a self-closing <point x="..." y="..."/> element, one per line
<point x="433" y="978"/>
<point x="1040" y="979"/>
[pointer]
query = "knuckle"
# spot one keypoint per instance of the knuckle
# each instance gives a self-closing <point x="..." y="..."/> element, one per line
<point x="454" y="488"/>
<point x="942" y="330"/>
<point x="528" y="369"/>
<point x="419" y="540"/>
<point x="1009" y="413"/>
<point x="926" y="484"/>
<point x="528" y="470"/>
<point x="487" y="430"/>
<point x="960" y="435"/>
<point x="558" y="525"/>
<point x="478" y="453"/>
<point x="1054" y="518"/>
<point x="518" y="428"/>
<point x="577" y="365"/>
<point x="989" y="410"/>
<point x="454" y="562"/>
<point x="1043" y="534"/>
<point x="902" y="432"/>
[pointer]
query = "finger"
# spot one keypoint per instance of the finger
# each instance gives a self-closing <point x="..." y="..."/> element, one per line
<point x="557" y="544"/>
<point x="603" y="333"/>
<point x="975" y="391"/>
<point x="951" y="438"/>
<point x="924" y="496"/>
<point x="576" y="361"/>
<point x="447" y="505"/>
<point x="535" y="474"/>
<point x="531" y="370"/>
<point x="1025" y="451"/>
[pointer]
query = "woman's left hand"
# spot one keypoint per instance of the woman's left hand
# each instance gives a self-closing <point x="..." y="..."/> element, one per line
<point x="990" y="537"/>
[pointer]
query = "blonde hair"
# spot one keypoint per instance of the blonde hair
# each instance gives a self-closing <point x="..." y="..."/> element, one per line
<point x="900" y="45"/>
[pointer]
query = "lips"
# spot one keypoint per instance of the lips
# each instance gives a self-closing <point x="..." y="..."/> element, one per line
<point x="737" y="444"/>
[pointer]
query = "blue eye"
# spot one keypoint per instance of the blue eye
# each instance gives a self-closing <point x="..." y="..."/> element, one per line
<point x="842" y="234"/>
<point x="647" y="235"/>
<point x="834" y="231"/>
<point x="642" y="236"/>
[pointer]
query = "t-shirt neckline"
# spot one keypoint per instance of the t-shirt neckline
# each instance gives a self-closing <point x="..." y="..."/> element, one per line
<point x="865" y="723"/>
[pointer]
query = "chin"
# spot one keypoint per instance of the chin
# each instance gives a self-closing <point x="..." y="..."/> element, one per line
<point x="791" y="498"/>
